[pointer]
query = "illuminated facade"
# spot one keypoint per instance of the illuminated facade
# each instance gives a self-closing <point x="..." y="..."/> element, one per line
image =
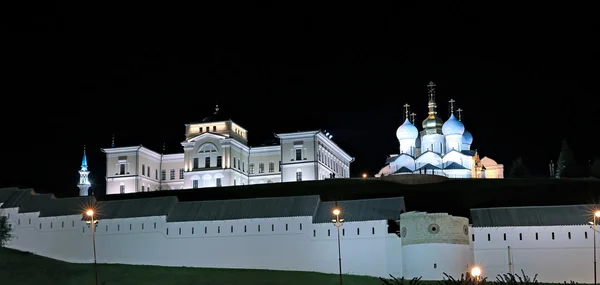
<point x="216" y="154"/>
<point x="84" y="182"/>
<point x="441" y="148"/>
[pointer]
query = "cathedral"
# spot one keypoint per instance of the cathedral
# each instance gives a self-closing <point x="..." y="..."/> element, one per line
<point x="441" y="148"/>
<point x="216" y="154"/>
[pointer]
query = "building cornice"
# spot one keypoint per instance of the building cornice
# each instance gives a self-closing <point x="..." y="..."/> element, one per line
<point x="265" y="149"/>
<point x="332" y="145"/>
<point x="297" y="135"/>
<point x="173" y="157"/>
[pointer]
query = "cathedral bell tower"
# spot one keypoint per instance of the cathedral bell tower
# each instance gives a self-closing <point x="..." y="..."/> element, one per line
<point x="84" y="183"/>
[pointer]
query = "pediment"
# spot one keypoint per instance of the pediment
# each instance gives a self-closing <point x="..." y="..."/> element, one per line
<point x="206" y="135"/>
<point x="429" y="156"/>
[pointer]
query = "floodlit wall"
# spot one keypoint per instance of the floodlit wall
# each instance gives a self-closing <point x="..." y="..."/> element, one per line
<point x="278" y="244"/>
<point x="556" y="253"/>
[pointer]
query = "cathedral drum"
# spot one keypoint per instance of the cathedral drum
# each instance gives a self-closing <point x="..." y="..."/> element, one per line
<point x="434" y="244"/>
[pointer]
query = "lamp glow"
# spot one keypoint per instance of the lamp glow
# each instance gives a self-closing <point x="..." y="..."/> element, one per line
<point x="336" y="212"/>
<point x="476" y="272"/>
<point x="597" y="214"/>
<point x="90" y="212"/>
<point x="364" y="175"/>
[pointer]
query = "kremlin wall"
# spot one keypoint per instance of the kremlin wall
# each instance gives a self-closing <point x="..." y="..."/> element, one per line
<point x="380" y="235"/>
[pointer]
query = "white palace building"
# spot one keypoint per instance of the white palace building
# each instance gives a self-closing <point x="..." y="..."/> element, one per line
<point x="441" y="148"/>
<point x="216" y="153"/>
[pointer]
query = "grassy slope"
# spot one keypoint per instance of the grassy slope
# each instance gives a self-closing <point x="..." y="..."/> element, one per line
<point x="25" y="268"/>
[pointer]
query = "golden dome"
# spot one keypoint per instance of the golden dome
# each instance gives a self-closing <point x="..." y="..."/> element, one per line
<point x="433" y="123"/>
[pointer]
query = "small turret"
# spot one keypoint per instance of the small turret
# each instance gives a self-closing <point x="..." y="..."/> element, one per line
<point x="84" y="183"/>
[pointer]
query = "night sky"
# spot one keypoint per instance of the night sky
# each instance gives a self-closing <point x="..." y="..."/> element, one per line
<point x="76" y="75"/>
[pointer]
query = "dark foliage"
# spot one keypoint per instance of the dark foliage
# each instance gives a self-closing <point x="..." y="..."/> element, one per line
<point x="567" y="164"/>
<point x="513" y="279"/>
<point x="595" y="168"/>
<point x="465" y="279"/>
<point x="401" y="281"/>
<point x="5" y="231"/>
<point x="518" y="169"/>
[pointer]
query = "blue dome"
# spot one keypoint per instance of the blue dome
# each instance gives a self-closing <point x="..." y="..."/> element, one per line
<point x="453" y="126"/>
<point x="467" y="137"/>
<point x="407" y="131"/>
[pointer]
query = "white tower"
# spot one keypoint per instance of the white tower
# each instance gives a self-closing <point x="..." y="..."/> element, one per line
<point x="434" y="244"/>
<point x="467" y="137"/>
<point x="407" y="134"/>
<point x="84" y="183"/>
<point x="453" y="131"/>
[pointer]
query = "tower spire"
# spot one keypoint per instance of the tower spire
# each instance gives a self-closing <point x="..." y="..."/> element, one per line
<point x="217" y="109"/>
<point x="431" y="90"/>
<point x="406" y="110"/>
<point x="84" y="183"/>
<point x="412" y="117"/>
<point x="451" y="106"/>
<point x="459" y="111"/>
<point x="84" y="160"/>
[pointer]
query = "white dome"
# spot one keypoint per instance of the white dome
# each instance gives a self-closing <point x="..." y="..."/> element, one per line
<point x="453" y="126"/>
<point x="407" y="131"/>
<point x="467" y="137"/>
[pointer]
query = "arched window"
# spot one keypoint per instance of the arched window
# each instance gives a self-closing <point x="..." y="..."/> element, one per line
<point x="207" y="148"/>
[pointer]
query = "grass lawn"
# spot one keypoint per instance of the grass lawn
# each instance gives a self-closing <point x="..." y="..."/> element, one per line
<point x="20" y="268"/>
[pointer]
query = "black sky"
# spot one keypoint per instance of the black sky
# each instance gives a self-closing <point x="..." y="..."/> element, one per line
<point x="76" y="74"/>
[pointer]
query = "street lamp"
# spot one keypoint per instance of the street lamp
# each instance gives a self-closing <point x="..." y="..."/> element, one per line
<point x="92" y="224"/>
<point x="364" y="175"/>
<point x="338" y="223"/>
<point x="476" y="272"/>
<point x="596" y="215"/>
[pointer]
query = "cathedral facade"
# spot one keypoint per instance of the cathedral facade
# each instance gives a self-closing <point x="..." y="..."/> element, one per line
<point x="440" y="148"/>
<point x="216" y="154"/>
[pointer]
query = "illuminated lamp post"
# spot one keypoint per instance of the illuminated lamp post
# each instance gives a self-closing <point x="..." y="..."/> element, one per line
<point x="476" y="272"/>
<point x="364" y="175"/>
<point x="338" y="223"/>
<point x="92" y="224"/>
<point x="596" y="215"/>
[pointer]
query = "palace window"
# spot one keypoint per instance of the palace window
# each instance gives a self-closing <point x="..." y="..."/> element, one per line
<point x="271" y="167"/>
<point x="143" y="188"/>
<point x="214" y="128"/>
<point x="180" y="173"/>
<point x="143" y="169"/>
<point x="122" y="188"/>
<point x="163" y="175"/>
<point x="251" y="168"/>
<point x="234" y="163"/>
<point x="122" y="168"/>
<point x="194" y="184"/>
<point x="148" y="171"/>
<point x="196" y="162"/>
<point x="298" y="175"/>
<point x="298" y="154"/>
<point x="261" y="167"/>
<point x="243" y="166"/>
<point x="219" y="161"/>
<point x="156" y="174"/>
<point x="239" y="163"/>
<point x="172" y="174"/>
<point x="219" y="182"/>
<point x="279" y="166"/>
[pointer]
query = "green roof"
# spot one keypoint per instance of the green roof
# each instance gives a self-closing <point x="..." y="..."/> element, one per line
<point x="134" y="208"/>
<point x="362" y="210"/>
<point x="301" y="206"/>
<point x="571" y="215"/>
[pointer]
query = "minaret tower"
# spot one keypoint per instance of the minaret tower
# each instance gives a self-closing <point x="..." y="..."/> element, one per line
<point x="84" y="183"/>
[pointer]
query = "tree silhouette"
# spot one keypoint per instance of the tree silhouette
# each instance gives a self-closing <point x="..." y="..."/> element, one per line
<point x="567" y="165"/>
<point x="595" y="168"/>
<point x="5" y="231"/>
<point x="518" y="169"/>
